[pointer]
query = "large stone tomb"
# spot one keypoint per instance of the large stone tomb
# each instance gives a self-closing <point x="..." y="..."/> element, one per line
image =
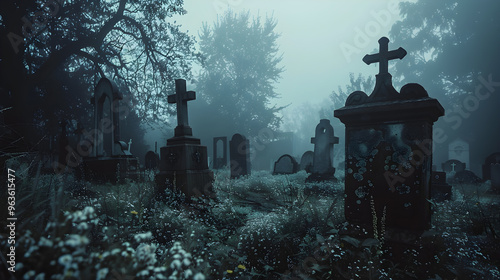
<point x="389" y="150"/>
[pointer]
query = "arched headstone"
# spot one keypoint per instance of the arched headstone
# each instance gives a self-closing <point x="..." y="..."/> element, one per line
<point x="239" y="153"/>
<point x="306" y="161"/>
<point x="286" y="164"/>
<point x="322" y="168"/>
<point x="220" y="160"/>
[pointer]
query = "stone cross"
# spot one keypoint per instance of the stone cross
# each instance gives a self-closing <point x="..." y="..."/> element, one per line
<point x="181" y="97"/>
<point x="384" y="55"/>
<point x="453" y="167"/>
<point x="129" y="144"/>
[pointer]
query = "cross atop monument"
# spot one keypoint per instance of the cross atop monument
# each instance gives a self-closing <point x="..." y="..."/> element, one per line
<point x="181" y="97"/>
<point x="384" y="55"/>
<point x="453" y="167"/>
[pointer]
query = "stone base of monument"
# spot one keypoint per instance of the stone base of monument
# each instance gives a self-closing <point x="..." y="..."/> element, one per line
<point x="108" y="169"/>
<point x="184" y="167"/>
<point x="193" y="183"/>
<point x="321" y="177"/>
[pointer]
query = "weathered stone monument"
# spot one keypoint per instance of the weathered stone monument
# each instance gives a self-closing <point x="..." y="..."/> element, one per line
<point x="239" y="153"/>
<point x="184" y="162"/>
<point x="220" y="153"/>
<point x="491" y="171"/>
<point x="322" y="168"/>
<point x="440" y="190"/>
<point x="306" y="161"/>
<point x="452" y="166"/>
<point x="109" y="159"/>
<point x="389" y="150"/>
<point x="286" y="164"/>
<point x="459" y="149"/>
<point x="151" y="160"/>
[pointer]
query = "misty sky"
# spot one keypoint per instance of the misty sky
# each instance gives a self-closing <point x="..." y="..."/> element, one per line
<point x="322" y="41"/>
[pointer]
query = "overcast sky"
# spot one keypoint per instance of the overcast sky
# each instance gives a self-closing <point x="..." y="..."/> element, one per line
<point x="322" y="41"/>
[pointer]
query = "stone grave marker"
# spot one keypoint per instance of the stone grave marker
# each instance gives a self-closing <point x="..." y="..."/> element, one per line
<point x="109" y="156"/>
<point x="440" y="190"/>
<point x="490" y="160"/>
<point x="322" y="168"/>
<point x="184" y="161"/>
<point x="452" y="166"/>
<point x="286" y="164"/>
<point x="465" y="177"/>
<point x="306" y="161"/>
<point x="389" y="150"/>
<point x="220" y="155"/>
<point x="151" y="160"/>
<point x="459" y="149"/>
<point x="239" y="153"/>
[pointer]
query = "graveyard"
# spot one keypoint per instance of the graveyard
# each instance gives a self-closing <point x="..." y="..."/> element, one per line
<point x="130" y="165"/>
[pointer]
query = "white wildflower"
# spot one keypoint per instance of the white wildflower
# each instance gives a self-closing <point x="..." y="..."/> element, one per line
<point x="141" y="237"/>
<point x="176" y="264"/>
<point x="101" y="274"/>
<point x="65" y="260"/>
<point x="199" y="276"/>
<point x="76" y="240"/>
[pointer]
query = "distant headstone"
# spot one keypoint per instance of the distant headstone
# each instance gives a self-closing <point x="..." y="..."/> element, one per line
<point x="151" y="160"/>
<point x="184" y="161"/>
<point x="389" y="150"/>
<point x="286" y="164"/>
<point x="322" y="169"/>
<point x="220" y="161"/>
<point x="459" y="150"/>
<point x="306" y="161"/>
<point x="440" y="190"/>
<point x="239" y="153"/>
<point x="452" y="166"/>
<point x="490" y="160"/>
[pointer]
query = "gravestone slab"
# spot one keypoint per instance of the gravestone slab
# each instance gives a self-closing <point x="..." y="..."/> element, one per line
<point x="491" y="159"/>
<point x="440" y="190"/>
<point x="452" y="166"/>
<point x="306" y="161"/>
<point x="465" y="177"/>
<point x="322" y="168"/>
<point x="220" y="161"/>
<point x="239" y="153"/>
<point x="286" y="164"/>
<point x="109" y="159"/>
<point x="459" y="149"/>
<point x="151" y="160"/>
<point x="389" y="150"/>
<point x="184" y="161"/>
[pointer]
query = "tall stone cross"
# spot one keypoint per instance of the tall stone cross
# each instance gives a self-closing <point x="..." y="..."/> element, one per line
<point x="181" y="97"/>
<point x="384" y="55"/>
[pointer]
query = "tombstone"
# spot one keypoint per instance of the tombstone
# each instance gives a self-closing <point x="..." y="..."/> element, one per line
<point x="490" y="160"/>
<point x="459" y="150"/>
<point x="440" y="190"/>
<point x="306" y="161"/>
<point x="151" y="160"/>
<point x="322" y="168"/>
<point x="452" y="166"/>
<point x="220" y="161"/>
<point x="109" y="158"/>
<point x="389" y="151"/>
<point x="184" y="161"/>
<point x="239" y="153"/>
<point x="286" y="164"/>
<point x="465" y="177"/>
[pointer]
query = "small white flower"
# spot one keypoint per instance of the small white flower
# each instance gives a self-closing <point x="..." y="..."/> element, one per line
<point x="176" y="264"/>
<point x="188" y="273"/>
<point x="141" y="237"/>
<point x="65" y="260"/>
<point x="76" y="240"/>
<point x="29" y="274"/>
<point x="186" y="262"/>
<point x="199" y="276"/>
<point x="40" y="276"/>
<point x="101" y="274"/>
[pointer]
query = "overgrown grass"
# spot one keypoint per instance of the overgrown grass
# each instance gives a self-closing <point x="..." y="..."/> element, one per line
<point x="259" y="227"/>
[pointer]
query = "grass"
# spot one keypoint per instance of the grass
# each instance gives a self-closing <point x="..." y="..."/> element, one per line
<point x="259" y="227"/>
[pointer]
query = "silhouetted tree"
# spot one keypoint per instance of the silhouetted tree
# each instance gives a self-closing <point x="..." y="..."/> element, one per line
<point x="54" y="52"/>
<point x="241" y="65"/>
<point x="453" y="52"/>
